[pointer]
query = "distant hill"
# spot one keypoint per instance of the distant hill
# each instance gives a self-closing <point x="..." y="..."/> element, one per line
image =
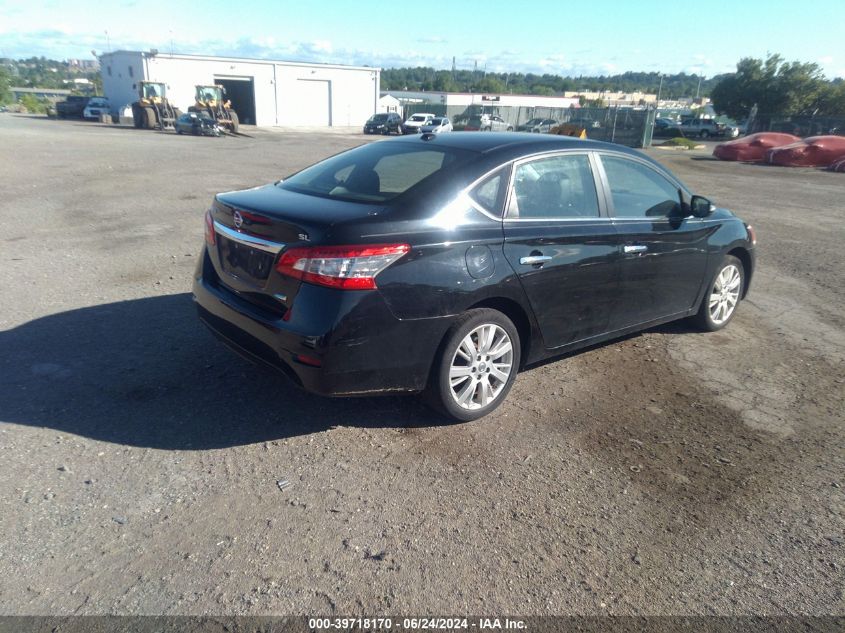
<point x="40" y="72"/>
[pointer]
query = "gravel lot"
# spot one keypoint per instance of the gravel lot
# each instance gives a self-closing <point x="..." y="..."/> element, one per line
<point x="671" y="472"/>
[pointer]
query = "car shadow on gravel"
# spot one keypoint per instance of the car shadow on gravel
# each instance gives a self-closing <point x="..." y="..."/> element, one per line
<point x="147" y="373"/>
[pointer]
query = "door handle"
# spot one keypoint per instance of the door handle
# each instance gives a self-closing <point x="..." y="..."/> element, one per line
<point x="634" y="248"/>
<point x="533" y="260"/>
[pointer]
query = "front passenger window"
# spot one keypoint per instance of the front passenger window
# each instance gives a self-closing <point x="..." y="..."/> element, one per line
<point x="639" y="191"/>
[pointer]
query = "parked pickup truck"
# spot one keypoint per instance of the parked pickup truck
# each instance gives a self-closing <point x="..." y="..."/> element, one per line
<point x="704" y="128"/>
<point x="72" y="107"/>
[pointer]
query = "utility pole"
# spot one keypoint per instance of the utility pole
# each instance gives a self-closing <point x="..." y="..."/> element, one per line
<point x="698" y="90"/>
<point x="659" y="89"/>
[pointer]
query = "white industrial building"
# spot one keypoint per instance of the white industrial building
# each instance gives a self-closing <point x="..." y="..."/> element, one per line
<point x="262" y="92"/>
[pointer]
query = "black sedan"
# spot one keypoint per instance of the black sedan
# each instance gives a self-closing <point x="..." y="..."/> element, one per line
<point x="443" y="264"/>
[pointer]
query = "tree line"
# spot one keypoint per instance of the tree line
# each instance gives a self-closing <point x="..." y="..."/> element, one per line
<point x="671" y="86"/>
<point x="777" y="88"/>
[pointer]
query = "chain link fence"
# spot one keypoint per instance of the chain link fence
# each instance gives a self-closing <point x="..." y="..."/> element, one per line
<point x="803" y="125"/>
<point x="621" y="125"/>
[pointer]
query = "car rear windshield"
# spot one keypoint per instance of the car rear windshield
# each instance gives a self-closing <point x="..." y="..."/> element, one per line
<point x="376" y="172"/>
<point x="378" y="117"/>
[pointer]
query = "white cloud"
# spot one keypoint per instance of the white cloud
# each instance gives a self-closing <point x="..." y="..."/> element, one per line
<point x="60" y="42"/>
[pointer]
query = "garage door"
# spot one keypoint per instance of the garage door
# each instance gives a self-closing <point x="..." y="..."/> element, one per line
<point x="311" y="102"/>
<point x="240" y="91"/>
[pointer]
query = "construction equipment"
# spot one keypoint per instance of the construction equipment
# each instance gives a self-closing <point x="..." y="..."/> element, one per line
<point x="210" y="99"/>
<point x="153" y="111"/>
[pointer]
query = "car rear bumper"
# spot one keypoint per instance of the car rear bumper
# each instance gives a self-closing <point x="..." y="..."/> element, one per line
<point x="362" y="348"/>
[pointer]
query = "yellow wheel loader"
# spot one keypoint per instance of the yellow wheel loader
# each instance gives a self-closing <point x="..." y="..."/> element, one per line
<point x="152" y="110"/>
<point x="209" y="99"/>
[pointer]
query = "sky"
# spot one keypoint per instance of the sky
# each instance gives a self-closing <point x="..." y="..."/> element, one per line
<point x="581" y="37"/>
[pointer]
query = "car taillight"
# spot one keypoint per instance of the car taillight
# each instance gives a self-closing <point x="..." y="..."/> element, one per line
<point x="344" y="267"/>
<point x="752" y="234"/>
<point x="209" y="229"/>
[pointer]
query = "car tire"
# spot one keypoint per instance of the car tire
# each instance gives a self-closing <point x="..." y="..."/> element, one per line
<point x="510" y="128"/>
<point x="236" y="123"/>
<point x="704" y="134"/>
<point x="724" y="292"/>
<point x="455" y="389"/>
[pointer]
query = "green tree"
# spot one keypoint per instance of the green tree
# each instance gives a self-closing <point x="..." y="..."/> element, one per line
<point x="832" y="99"/>
<point x="5" y="82"/>
<point x="777" y="88"/>
<point x="489" y="84"/>
<point x="443" y="82"/>
<point x="32" y="104"/>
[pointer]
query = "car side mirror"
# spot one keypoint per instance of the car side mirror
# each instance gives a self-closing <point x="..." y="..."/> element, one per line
<point x="700" y="206"/>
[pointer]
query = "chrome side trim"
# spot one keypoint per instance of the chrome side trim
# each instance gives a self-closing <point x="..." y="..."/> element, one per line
<point x="249" y="240"/>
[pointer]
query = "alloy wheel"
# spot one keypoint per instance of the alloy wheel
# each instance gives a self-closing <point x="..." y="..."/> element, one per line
<point x="725" y="294"/>
<point x="481" y="366"/>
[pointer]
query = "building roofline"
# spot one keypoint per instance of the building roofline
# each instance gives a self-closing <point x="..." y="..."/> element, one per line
<point x="252" y="60"/>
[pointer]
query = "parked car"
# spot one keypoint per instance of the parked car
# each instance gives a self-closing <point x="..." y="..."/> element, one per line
<point x="753" y="148"/>
<point x="437" y="125"/>
<point x="443" y="264"/>
<point x="537" y="125"/>
<point x="488" y="123"/>
<point x="704" y="128"/>
<point x="72" y="107"/>
<point x="384" y="123"/>
<point x="416" y="121"/>
<point x="197" y="123"/>
<point x="813" y="151"/>
<point x="95" y="107"/>
<point x="665" y="127"/>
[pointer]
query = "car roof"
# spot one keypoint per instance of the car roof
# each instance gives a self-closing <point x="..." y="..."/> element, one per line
<point x="512" y="142"/>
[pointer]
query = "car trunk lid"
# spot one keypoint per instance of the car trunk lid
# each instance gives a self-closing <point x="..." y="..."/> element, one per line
<point x="253" y="227"/>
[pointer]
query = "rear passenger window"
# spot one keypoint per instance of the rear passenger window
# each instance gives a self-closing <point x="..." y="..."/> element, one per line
<point x="399" y="172"/>
<point x="555" y="187"/>
<point x="638" y="190"/>
<point x="487" y="193"/>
